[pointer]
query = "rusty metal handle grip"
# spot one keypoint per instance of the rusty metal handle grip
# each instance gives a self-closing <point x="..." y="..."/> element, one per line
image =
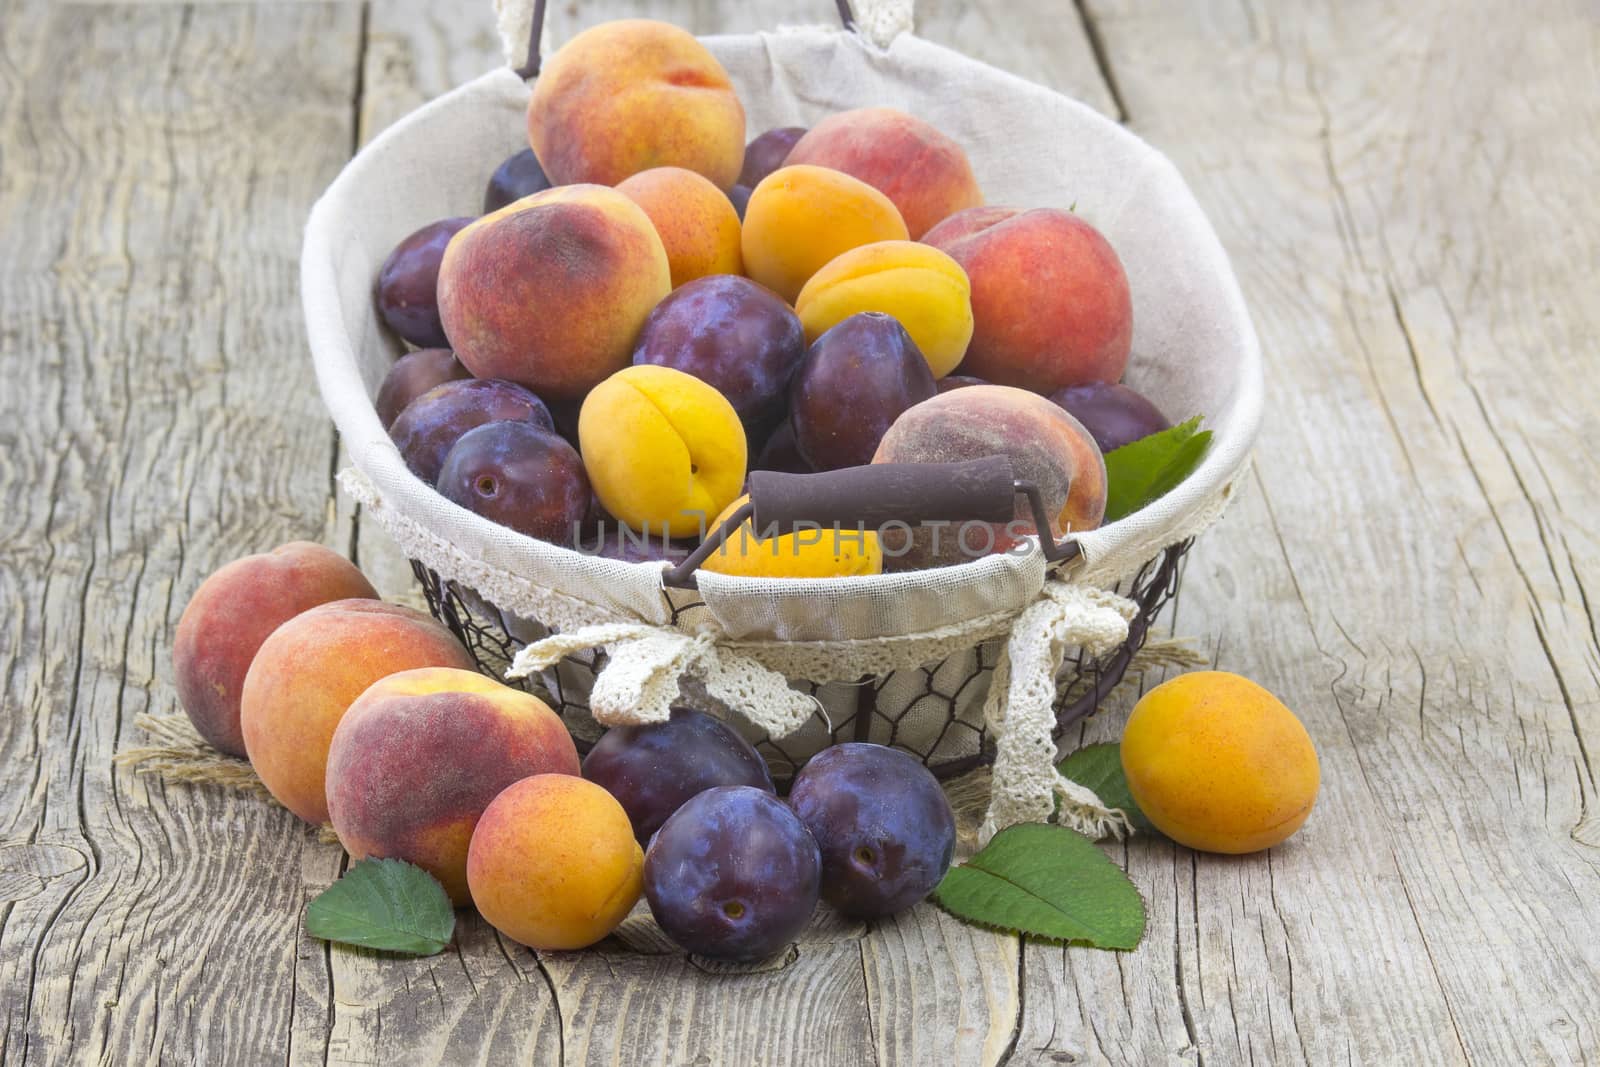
<point x="978" y="490"/>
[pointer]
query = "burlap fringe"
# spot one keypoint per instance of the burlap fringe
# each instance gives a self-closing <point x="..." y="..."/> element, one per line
<point x="176" y="753"/>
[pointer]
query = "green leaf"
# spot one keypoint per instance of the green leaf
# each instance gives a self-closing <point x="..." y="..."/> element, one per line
<point x="1145" y="470"/>
<point x="384" y="904"/>
<point x="1099" y="767"/>
<point x="1046" y="882"/>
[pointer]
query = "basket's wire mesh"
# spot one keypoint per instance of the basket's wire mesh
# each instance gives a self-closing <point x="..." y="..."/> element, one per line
<point x="932" y="711"/>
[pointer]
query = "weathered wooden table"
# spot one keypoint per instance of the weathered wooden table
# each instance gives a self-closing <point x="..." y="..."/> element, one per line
<point x="1409" y="199"/>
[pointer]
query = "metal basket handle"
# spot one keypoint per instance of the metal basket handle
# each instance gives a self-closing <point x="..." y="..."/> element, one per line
<point x="976" y="490"/>
<point x="536" y="34"/>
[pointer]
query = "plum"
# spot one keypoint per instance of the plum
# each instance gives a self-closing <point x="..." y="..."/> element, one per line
<point x="883" y="825"/>
<point x="780" y="453"/>
<point x="412" y="375"/>
<point x="653" y="769"/>
<point x="519" y="176"/>
<point x="732" y="334"/>
<point x="732" y="874"/>
<point x="425" y="431"/>
<point x="958" y="381"/>
<point x="767" y="152"/>
<point x="1114" y="415"/>
<point x="739" y="197"/>
<point x="523" y="476"/>
<point x="408" y="284"/>
<point x="854" y="382"/>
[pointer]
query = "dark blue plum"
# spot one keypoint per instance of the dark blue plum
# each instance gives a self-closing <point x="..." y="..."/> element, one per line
<point x="766" y="153"/>
<point x="739" y="197"/>
<point x="732" y="874"/>
<point x="519" y="176"/>
<point x="432" y="423"/>
<point x="522" y="476"/>
<point x="1114" y="415"/>
<point x="412" y="375"/>
<point x="734" y="335"/>
<point x="408" y="284"/>
<point x="882" y="823"/>
<point x="856" y="379"/>
<point x="653" y="770"/>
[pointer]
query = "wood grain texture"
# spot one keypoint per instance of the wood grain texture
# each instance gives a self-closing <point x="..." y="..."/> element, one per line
<point x="1404" y="195"/>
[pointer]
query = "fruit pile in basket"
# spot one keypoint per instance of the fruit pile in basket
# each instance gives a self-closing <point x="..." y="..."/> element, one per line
<point x="650" y="309"/>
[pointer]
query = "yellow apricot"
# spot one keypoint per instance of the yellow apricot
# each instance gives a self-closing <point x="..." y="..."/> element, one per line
<point x="800" y="218"/>
<point x="662" y="449"/>
<point x="802" y="554"/>
<point x="553" y="863"/>
<point x="1219" y="764"/>
<point x="919" y="285"/>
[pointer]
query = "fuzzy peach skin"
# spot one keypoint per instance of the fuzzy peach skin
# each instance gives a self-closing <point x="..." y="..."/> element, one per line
<point x="633" y="94"/>
<point x="802" y="554"/>
<point x="1046" y="446"/>
<point x="663" y="449"/>
<point x="233" y="612"/>
<point x="925" y="173"/>
<point x="923" y="288"/>
<point x="1219" y="764"/>
<point x="307" y="675"/>
<point x="695" y="220"/>
<point x="550" y="291"/>
<point x="800" y="218"/>
<point x="554" y="863"/>
<point x="1050" y="301"/>
<point x="421" y="753"/>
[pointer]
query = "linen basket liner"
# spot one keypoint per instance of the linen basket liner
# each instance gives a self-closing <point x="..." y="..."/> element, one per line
<point x="1194" y="352"/>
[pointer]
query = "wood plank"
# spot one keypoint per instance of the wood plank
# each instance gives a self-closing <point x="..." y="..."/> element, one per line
<point x="157" y="165"/>
<point x="1416" y="599"/>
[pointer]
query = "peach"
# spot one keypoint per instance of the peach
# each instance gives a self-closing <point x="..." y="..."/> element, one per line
<point x="802" y="554"/>
<point x="1219" y="764"/>
<point x="233" y="612"/>
<point x="1047" y="447"/>
<point x="664" y="450"/>
<point x="554" y="863"/>
<point x="923" y="288"/>
<point x="629" y="95"/>
<point x="925" y="173"/>
<point x="696" y="221"/>
<point x="800" y="218"/>
<point x="1050" y="301"/>
<point x="550" y="291"/>
<point x="310" y="671"/>
<point x="421" y="753"/>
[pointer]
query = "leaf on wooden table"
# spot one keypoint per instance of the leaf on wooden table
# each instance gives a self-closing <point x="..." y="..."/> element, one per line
<point x="1099" y="767"/>
<point x="384" y="904"/>
<point x="1046" y="882"/>
<point x="1143" y="471"/>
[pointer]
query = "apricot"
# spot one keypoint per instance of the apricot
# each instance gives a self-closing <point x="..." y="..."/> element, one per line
<point x="1219" y="764"/>
<point x="1046" y="446"/>
<point x="1050" y="300"/>
<point x="309" y="672"/>
<point x="233" y="612"/>
<point x="800" y="218"/>
<point x="925" y="173"/>
<point x="554" y="864"/>
<point x="550" y="291"/>
<point x="421" y="753"/>
<point x="695" y="220"/>
<point x="663" y="449"/>
<point x="802" y="554"/>
<point x="629" y="95"/>
<point x="923" y="288"/>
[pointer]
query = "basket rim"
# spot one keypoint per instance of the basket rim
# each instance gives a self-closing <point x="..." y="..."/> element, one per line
<point x="334" y="354"/>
